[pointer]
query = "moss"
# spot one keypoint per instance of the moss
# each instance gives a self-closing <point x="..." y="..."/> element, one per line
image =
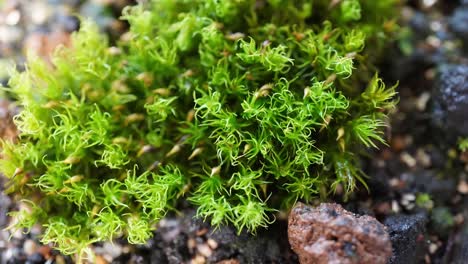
<point x="463" y="144"/>
<point x="240" y="107"/>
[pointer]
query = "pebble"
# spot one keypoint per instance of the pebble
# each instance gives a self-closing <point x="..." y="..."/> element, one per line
<point x="212" y="243"/>
<point x="408" y="201"/>
<point x="330" y="234"/>
<point x="112" y="249"/>
<point x="29" y="247"/>
<point x="462" y="187"/>
<point x="423" y="158"/>
<point x="205" y="250"/>
<point x="12" y="18"/>
<point x="395" y="207"/>
<point x="433" y="248"/>
<point x="450" y="96"/>
<point x="422" y="100"/>
<point x="409" y="160"/>
<point x="407" y="234"/>
<point x="9" y="34"/>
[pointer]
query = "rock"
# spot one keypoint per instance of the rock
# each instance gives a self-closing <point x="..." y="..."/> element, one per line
<point x="7" y="127"/>
<point x="407" y="234"/>
<point x="44" y="44"/>
<point x="67" y="23"/>
<point x="330" y="234"/>
<point x="14" y="255"/>
<point x="460" y="253"/>
<point x="29" y="247"/>
<point x="5" y="203"/>
<point x="459" y="23"/>
<point x="35" y="258"/>
<point x="451" y="100"/>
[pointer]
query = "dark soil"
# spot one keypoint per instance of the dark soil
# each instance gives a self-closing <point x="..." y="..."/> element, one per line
<point x="185" y="239"/>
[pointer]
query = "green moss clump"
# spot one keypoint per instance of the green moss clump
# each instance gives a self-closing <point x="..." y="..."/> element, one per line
<point x="463" y="144"/>
<point x="242" y="107"/>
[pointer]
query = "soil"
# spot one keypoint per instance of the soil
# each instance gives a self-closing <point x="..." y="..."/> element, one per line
<point x="418" y="183"/>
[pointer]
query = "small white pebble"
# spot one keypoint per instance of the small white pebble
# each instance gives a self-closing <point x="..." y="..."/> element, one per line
<point x="421" y="101"/>
<point x="429" y="3"/>
<point x="126" y="249"/>
<point x="408" y="159"/>
<point x="10" y="34"/>
<point x="433" y="41"/>
<point x="13" y="18"/>
<point x="462" y="187"/>
<point x="435" y="26"/>
<point x="395" y="206"/>
<point x="39" y="12"/>
<point x="409" y="197"/>
<point x="212" y="243"/>
<point x="433" y="248"/>
<point x="204" y="249"/>
<point x="112" y="249"/>
<point x="29" y="247"/>
<point x="394" y="182"/>
<point x="114" y="51"/>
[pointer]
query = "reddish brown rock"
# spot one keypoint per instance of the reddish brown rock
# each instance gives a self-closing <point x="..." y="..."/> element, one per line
<point x="328" y="234"/>
<point x="44" y="44"/>
<point x="7" y="127"/>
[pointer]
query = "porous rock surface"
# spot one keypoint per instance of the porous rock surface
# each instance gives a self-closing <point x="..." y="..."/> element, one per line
<point x="407" y="234"/>
<point x="328" y="234"/>
<point x="451" y="100"/>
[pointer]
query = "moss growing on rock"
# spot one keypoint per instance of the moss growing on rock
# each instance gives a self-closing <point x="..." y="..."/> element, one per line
<point x="240" y="107"/>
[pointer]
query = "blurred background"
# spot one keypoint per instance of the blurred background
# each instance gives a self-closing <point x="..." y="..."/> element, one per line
<point x="38" y="26"/>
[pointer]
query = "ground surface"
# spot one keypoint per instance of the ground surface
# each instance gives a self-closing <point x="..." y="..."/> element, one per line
<point x="418" y="183"/>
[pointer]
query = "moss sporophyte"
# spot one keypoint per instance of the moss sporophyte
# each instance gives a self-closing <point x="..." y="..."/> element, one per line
<point x="241" y="107"/>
